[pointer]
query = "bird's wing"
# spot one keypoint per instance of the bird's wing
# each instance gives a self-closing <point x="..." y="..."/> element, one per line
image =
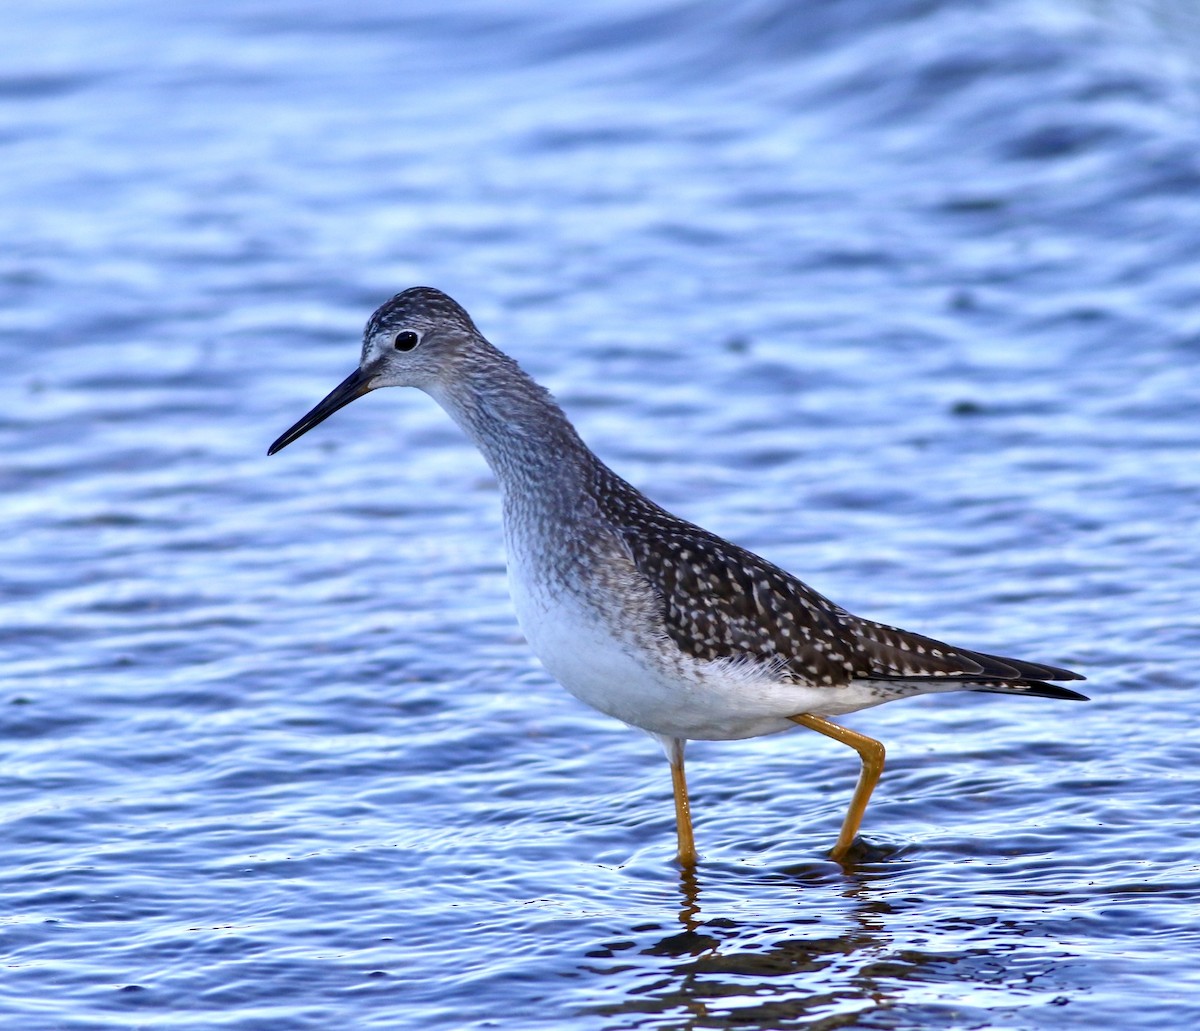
<point x="721" y="601"/>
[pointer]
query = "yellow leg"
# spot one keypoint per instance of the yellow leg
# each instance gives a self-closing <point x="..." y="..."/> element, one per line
<point x="683" y="810"/>
<point x="871" y="752"/>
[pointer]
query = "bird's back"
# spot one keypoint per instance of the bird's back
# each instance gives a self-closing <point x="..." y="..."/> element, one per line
<point x="720" y="601"/>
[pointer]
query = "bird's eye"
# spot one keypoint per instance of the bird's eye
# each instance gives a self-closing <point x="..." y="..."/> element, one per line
<point x="406" y="341"/>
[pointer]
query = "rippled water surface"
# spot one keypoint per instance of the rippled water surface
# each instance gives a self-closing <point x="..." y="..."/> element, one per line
<point x="905" y="296"/>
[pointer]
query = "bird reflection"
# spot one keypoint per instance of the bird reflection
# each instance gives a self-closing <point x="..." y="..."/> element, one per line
<point x="766" y="975"/>
<point x="689" y="890"/>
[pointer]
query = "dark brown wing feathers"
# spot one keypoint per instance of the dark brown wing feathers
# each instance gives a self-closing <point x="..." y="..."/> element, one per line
<point x="721" y="601"/>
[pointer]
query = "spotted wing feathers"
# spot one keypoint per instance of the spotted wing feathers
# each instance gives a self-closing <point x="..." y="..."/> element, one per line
<point x="722" y="601"/>
<point x="895" y="654"/>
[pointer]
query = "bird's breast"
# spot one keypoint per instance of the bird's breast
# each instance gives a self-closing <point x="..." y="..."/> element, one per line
<point x="596" y="625"/>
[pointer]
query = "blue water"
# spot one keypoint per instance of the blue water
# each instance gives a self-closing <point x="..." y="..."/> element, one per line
<point x="905" y="296"/>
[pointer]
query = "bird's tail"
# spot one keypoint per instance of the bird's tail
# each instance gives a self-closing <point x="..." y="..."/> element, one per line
<point x="1033" y="688"/>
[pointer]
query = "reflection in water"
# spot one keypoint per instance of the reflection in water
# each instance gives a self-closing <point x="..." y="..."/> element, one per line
<point x="769" y="976"/>
<point x="758" y="973"/>
<point x="689" y="888"/>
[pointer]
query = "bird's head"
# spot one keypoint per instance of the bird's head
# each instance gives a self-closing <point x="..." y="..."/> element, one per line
<point x="417" y="339"/>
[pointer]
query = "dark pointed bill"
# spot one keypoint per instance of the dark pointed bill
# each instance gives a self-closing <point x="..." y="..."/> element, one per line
<point x="353" y="386"/>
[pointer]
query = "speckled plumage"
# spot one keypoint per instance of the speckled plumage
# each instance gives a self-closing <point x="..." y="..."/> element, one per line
<point x="722" y="601"/>
<point x="642" y="615"/>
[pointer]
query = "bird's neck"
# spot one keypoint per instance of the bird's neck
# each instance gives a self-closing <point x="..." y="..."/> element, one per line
<point x="525" y="437"/>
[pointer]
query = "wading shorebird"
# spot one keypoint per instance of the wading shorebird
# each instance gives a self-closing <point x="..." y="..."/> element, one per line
<point x="643" y="615"/>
